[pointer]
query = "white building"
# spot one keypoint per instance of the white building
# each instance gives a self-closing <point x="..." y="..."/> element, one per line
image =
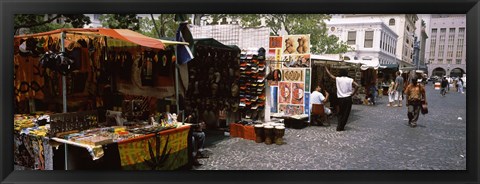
<point x="402" y="24"/>
<point x="422" y="36"/>
<point x="95" y="19"/>
<point x="446" y="48"/>
<point x="370" y="40"/>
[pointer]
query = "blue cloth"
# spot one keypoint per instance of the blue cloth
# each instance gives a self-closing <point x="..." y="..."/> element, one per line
<point x="184" y="54"/>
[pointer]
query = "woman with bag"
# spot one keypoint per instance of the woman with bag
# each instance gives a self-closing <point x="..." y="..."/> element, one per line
<point x="416" y="100"/>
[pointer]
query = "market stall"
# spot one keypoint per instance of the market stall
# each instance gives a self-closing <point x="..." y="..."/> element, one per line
<point x="114" y="74"/>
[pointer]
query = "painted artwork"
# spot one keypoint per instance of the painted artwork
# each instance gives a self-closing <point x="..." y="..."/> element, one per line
<point x="293" y="75"/>
<point x="307" y="103"/>
<point x="298" y="92"/>
<point x="275" y="42"/>
<point x="285" y="92"/>
<point x="296" y="44"/>
<point x="307" y="80"/>
<point x="274" y="99"/>
<point x="294" y="110"/>
<point x="271" y="55"/>
<point x="296" y="61"/>
<point x="282" y="108"/>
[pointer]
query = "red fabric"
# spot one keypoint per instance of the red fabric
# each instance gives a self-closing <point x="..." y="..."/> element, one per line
<point x="245" y="132"/>
<point x="121" y="34"/>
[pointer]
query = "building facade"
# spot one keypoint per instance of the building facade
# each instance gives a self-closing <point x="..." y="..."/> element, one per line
<point x="402" y="24"/>
<point x="446" y="49"/>
<point x="95" y="19"/>
<point x="421" y="34"/>
<point x="370" y="40"/>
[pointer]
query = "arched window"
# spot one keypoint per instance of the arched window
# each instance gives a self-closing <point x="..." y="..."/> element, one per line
<point x="391" y="22"/>
<point x="346" y="58"/>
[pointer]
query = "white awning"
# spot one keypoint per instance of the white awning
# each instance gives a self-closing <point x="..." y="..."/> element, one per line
<point x="366" y="64"/>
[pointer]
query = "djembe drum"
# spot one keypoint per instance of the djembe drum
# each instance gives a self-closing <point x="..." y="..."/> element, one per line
<point x="268" y="134"/>
<point x="279" y="133"/>
<point x="259" y="133"/>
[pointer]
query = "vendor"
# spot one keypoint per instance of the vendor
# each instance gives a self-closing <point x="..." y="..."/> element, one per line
<point x="198" y="136"/>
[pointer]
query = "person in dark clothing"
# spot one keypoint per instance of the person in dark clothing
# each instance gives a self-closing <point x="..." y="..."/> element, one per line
<point x="444" y="86"/>
<point x="346" y="88"/>
<point x="198" y="137"/>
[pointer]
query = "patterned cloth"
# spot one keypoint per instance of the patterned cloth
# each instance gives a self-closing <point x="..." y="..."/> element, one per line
<point x="33" y="152"/>
<point x="136" y="154"/>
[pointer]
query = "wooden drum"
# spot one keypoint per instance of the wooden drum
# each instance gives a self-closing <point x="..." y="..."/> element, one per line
<point x="279" y="133"/>
<point x="259" y="133"/>
<point x="269" y="135"/>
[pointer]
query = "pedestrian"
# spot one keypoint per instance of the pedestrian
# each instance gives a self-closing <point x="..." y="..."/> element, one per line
<point x="449" y="80"/>
<point x="373" y="93"/>
<point x="444" y="86"/>
<point x="399" y="84"/>
<point x="391" y="94"/>
<point x="415" y="97"/>
<point x="346" y="88"/>
<point x="317" y="97"/>
<point x="460" y="86"/>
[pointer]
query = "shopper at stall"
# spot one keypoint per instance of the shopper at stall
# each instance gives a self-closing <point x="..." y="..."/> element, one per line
<point x="317" y="98"/>
<point x="346" y="88"/>
<point x="198" y="137"/>
<point x="399" y="83"/>
<point x="415" y="96"/>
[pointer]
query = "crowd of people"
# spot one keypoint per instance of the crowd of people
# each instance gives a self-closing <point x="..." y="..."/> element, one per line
<point x="399" y="89"/>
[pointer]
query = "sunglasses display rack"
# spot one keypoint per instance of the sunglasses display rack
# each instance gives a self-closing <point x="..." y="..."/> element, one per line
<point x="72" y="122"/>
<point x="252" y="84"/>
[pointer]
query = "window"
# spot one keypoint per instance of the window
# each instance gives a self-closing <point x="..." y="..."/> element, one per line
<point x="441" y="48"/>
<point x="459" y="61"/>
<point x="440" y="61"/>
<point x="391" y="22"/>
<point x="433" y="43"/>
<point x="368" y="39"/>
<point x="460" y="40"/>
<point x="352" y="36"/>
<point x="449" y="61"/>
<point x="430" y="61"/>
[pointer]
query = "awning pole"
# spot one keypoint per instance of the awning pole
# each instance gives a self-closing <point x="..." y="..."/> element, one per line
<point x="176" y="83"/>
<point x="64" y="94"/>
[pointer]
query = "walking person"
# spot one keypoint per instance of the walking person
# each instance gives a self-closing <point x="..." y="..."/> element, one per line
<point x="460" y="85"/>
<point x="391" y="94"/>
<point x="317" y="98"/>
<point x="444" y="86"/>
<point x="346" y="88"/>
<point x="415" y="96"/>
<point x="399" y="83"/>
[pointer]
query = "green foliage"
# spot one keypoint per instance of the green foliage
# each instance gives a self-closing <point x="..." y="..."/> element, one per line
<point x="295" y="24"/>
<point x="36" y="23"/>
<point x="165" y="23"/>
<point x="120" y="21"/>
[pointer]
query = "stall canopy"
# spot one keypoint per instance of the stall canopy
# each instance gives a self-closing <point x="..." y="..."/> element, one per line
<point x="366" y="64"/>
<point x="120" y="34"/>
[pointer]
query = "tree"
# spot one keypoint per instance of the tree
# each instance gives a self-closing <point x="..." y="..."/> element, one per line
<point x="165" y="23"/>
<point x="35" y="23"/>
<point x="292" y="24"/>
<point x="120" y="21"/>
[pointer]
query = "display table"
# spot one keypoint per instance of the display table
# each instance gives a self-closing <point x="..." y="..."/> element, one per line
<point x="242" y="131"/>
<point x="296" y="121"/>
<point x="169" y="147"/>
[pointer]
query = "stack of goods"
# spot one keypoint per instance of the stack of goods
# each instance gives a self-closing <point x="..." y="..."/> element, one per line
<point x="66" y="123"/>
<point x="252" y="84"/>
<point x="213" y="83"/>
<point x="23" y="121"/>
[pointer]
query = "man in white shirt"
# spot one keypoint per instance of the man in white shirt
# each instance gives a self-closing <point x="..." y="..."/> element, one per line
<point x="317" y="98"/>
<point x="346" y="88"/>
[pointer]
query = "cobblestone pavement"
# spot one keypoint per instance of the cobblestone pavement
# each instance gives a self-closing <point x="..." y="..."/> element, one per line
<point x="376" y="138"/>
